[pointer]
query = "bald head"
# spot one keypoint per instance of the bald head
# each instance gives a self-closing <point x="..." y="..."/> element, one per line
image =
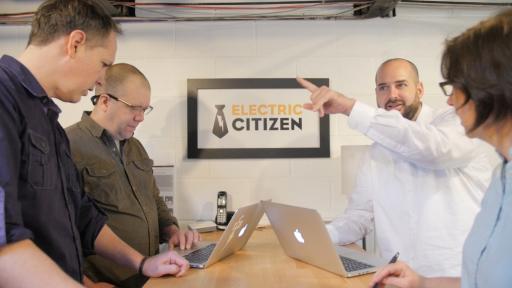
<point x="411" y="66"/>
<point x="117" y="75"/>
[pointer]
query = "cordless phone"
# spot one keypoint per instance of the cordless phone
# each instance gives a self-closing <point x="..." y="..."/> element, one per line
<point x="222" y="200"/>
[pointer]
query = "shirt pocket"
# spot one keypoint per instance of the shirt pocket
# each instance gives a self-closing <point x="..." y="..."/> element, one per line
<point x="102" y="184"/>
<point x="144" y="165"/>
<point x="143" y="172"/>
<point x="39" y="175"/>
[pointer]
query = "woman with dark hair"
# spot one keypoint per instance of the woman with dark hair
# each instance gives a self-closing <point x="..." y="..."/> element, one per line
<point x="477" y="66"/>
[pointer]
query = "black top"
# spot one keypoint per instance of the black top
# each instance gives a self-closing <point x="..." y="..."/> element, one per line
<point x="44" y="200"/>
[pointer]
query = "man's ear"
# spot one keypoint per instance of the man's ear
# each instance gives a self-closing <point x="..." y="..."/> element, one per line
<point x="103" y="103"/>
<point x="76" y="39"/>
<point x="420" y="90"/>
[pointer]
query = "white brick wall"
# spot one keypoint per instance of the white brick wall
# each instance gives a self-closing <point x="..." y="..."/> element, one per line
<point x="347" y="52"/>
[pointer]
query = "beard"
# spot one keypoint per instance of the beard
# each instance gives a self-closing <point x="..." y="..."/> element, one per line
<point x="410" y="111"/>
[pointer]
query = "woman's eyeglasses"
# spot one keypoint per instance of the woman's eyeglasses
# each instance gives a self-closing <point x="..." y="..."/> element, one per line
<point x="447" y="88"/>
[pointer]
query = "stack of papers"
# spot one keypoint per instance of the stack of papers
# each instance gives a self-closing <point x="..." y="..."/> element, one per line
<point x="203" y="226"/>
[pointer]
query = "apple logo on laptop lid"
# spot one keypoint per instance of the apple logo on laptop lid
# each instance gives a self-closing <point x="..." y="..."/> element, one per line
<point x="298" y="236"/>
<point x="242" y="231"/>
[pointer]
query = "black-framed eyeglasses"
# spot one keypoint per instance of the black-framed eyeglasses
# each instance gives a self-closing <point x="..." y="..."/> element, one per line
<point x="134" y="108"/>
<point x="447" y="88"/>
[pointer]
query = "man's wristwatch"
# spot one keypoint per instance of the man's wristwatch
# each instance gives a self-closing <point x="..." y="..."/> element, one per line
<point x="141" y="265"/>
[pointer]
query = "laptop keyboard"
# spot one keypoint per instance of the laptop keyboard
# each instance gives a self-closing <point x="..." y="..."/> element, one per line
<point x="200" y="255"/>
<point x="353" y="265"/>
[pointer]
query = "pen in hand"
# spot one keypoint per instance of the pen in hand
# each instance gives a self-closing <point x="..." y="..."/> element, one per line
<point x="393" y="260"/>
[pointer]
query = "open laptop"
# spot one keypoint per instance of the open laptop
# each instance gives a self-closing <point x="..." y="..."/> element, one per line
<point x="234" y="238"/>
<point x="303" y="236"/>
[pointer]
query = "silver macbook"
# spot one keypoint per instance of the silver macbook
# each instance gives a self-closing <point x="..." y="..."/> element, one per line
<point x="234" y="238"/>
<point x="303" y="236"/>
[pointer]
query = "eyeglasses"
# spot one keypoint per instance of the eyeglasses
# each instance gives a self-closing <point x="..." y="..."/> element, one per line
<point x="447" y="88"/>
<point x="134" y="108"/>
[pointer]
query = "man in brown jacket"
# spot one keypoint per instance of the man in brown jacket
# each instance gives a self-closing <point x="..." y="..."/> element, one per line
<point x="117" y="173"/>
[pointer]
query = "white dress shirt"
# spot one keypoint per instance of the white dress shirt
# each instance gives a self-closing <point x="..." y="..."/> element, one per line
<point x="420" y="184"/>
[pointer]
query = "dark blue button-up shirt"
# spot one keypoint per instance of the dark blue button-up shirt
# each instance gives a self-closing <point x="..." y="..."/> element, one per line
<point x="2" y="218"/>
<point x="44" y="200"/>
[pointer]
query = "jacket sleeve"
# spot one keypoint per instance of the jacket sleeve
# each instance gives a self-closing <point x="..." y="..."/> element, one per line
<point x="440" y="144"/>
<point x="357" y="219"/>
<point x="10" y="153"/>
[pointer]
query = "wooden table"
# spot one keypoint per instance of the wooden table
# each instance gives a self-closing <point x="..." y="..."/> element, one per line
<point x="261" y="263"/>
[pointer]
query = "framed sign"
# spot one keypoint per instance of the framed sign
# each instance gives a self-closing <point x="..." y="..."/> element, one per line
<point x="254" y="118"/>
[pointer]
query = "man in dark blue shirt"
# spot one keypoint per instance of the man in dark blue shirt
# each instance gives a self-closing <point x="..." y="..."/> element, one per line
<point x="71" y="44"/>
<point x="22" y="257"/>
<point x="2" y="217"/>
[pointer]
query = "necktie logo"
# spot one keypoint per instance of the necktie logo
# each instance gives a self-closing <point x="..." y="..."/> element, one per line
<point x="220" y="127"/>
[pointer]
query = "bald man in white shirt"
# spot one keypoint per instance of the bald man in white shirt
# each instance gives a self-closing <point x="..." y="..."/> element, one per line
<point x="421" y="183"/>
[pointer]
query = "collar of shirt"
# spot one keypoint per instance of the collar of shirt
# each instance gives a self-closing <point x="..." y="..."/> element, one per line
<point x="27" y="79"/>
<point x="91" y="125"/>
<point x="97" y="131"/>
<point x="426" y="114"/>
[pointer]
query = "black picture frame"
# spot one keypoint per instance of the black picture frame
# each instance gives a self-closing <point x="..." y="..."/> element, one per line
<point x="193" y="152"/>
